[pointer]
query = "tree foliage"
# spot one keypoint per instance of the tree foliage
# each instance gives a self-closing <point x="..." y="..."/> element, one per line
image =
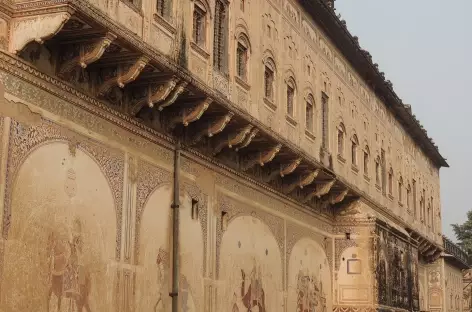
<point x="463" y="233"/>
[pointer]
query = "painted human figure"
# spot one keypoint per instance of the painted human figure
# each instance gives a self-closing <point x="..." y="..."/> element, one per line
<point x="162" y="260"/>
<point x="69" y="277"/>
<point x="254" y="296"/>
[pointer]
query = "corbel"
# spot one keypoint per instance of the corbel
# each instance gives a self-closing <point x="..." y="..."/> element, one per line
<point x="336" y="198"/>
<point x="248" y="139"/>
<point x="190" y="115"/>
<point x="173" y="97"/>
<point x="284" y="170"/>
<point x="350" y="208"/>
<point x="155" y="96"/>
<point x="88" y="53"/>
<point x="262" y="158"/>
<point x="233" y="139"/>
<point x="215" y="128"/>
<point x="305" y="180"/>
<point x="432" y="250"/>
<point x="24" y="30"/>
<point x="321" y="189"/>
<point x="124" y="75"/>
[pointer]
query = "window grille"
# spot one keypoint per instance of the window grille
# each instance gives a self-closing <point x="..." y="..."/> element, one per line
<point x="309" y="115"/>
<point x="290" y="96"/>
<point x="219" y="52"/>
<point x="268" y="83"/>
<point x="199" y="26"/>
<point x="241" y="61"/>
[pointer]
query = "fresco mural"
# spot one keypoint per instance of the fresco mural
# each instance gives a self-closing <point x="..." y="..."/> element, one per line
<point x="61" y="240"/>
<point x="155" y="255"/>
<point x="309" y="278"/>
<point x="250" y="268"/>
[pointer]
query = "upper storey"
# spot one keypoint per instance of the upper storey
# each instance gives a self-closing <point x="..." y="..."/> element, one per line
<point x="261" y="76"/>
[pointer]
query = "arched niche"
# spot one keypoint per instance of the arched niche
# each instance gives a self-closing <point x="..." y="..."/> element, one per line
<point x="62" y="236"/>
<point x="154" y="276"/>
<point x="309" y="278"/>
<point x="250" y="267"/>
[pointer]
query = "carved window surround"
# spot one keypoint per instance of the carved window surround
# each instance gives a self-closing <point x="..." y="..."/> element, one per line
<point x="341" y="159"/>
<point x="166" y="24"/>
<point x="242" y="83"/>
<point x="200" y="50"/>
<point x="270" y="104"/>
<point x="310" y="135"/>
<point x="291" y="120"/>
<point x="134" y="6"/>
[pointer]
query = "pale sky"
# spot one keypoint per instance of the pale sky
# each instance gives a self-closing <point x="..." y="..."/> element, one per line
<point x="425" y="49"/>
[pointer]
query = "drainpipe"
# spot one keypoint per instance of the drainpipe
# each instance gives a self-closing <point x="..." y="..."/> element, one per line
<point x="175" y="231"/>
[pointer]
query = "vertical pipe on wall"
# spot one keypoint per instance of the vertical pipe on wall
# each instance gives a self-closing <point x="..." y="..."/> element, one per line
<point x="175" y="231"/>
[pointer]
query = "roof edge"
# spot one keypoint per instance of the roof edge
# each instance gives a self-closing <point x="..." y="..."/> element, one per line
<point x="361" y="61"/>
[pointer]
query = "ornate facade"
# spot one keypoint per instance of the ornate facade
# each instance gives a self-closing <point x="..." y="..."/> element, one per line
<point x="303" y="181"/>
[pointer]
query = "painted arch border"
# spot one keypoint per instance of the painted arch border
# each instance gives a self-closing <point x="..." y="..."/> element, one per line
<point x="48" y="132"/>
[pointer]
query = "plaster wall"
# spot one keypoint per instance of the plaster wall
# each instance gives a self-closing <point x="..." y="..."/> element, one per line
<point x="282" y="31"/>
<point x="86" y="224"/>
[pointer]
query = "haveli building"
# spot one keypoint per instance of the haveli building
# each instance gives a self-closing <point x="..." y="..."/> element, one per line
<point x="220" y="155"/>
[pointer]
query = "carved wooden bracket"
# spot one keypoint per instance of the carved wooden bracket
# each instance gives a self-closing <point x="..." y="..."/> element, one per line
<point x="232" y="139"/>
<point x="350" y="208"/>
<point x="248" y="139"/>
<point x="336" y="198"/>
<point x="284" y="170"/>
<point x="303" y="181"/>
<point x="173" y="97"/>
<point x="189" y="115"/>
<point x="38" y="28"/>
<point x="155" y="96"/>
<point x="125" y="74"/>
<point x="262" y="158"/>
<point x="88" y="53"/>
<point x="215" y="128"/>
<point x="322" y="188"/>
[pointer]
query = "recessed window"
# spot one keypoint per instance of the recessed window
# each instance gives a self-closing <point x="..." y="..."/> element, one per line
<point x="199" y="25"/>
<point x="268" y="82"/>
<point x="341" y="134"/>
<point x="408" y="197"/>
<point x="400" y="190"/>
<point x="242" y="4"/>
<point x="354" y="144"/>
<point x="290" y="97"/>
<point x="377" y="171"/>
<point x="309" y="113"/>
<point x="324" y="120"/>
<point x="390" y="181"/>
<point x="164" y="8"/>
<point x="220" y="47"/>
<point x="241" y="61"/>
<point x="366" y="161"/>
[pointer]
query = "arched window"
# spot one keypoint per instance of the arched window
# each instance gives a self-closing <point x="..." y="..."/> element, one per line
<point x="400" y="190"/>
<point x="290" y="106"/>
<point x="408" y="196"/>
<point x="354" y="145"/>
<point x="390" y="181"/>
<point x="199" y="24"/>
<point x="430" y="216"/>
<point x="341" y="134"/>
<point x="377" y="171"/>
<point x="309" y="113"/>
<point x="220" y="50"/>
<point x="269" y="79"/>
<point x="366" y="160"/>
<point x="242" y="56"/>
<point x="164" y="8"/>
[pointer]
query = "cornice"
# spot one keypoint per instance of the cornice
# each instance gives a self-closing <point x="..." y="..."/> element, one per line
<point x="361" y="60"/>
